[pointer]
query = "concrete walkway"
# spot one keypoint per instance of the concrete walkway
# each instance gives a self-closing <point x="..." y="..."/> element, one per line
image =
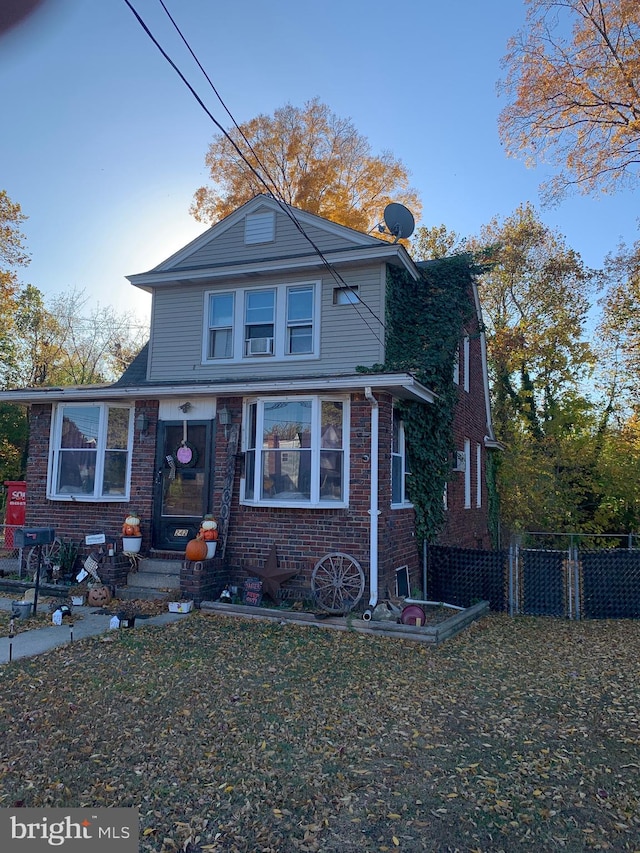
<point x="88" y="623"/>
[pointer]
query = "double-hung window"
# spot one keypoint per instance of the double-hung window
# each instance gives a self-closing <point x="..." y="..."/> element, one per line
<point x="399" y="462"/>
<point x="259" y="321"/>
<point x="299" y="320"/>
<point x="90" y="452"/>
<point x="221" y="307"/>
<point x="249" y="323"/>
<point x="296" y="451"/>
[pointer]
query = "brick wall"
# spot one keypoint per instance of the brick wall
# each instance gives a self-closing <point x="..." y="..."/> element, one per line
<point x="467" y="527"/>
<point x="74" y="520"/>
<point x="304" y="536"/>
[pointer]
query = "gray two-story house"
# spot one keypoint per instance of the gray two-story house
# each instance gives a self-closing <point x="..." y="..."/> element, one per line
<point x="260" y="398"/>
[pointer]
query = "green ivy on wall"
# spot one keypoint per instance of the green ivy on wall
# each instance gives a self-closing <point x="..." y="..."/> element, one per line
<point x="425" y="320"/>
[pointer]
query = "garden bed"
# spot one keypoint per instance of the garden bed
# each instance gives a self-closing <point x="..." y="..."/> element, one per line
<point x="431" y="633"/>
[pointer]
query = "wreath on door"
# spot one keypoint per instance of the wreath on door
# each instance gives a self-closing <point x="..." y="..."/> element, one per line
<point x="186" y="455"/>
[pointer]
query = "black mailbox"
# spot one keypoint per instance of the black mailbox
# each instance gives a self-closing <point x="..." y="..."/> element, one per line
<point x="25" y="537"/>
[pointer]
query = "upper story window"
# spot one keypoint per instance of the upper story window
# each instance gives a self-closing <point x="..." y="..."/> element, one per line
<point x="280" y="322"/>
<point x="259" y="322"/>
<point x="296" y="451"/>
<point x="220" y="325"/>
<point x="90" y="453"/>
<point x="299" y="319"/>
<point x="346" y="295"/>
<point x="400" y="469"/>
<point x="465" y="363"/>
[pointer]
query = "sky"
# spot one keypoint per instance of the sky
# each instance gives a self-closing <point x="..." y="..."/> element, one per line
<point x="103" y="146"/>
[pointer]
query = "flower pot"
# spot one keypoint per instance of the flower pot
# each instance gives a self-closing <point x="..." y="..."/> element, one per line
<point x="211" y="549"/>
<point x="131" y="544"/>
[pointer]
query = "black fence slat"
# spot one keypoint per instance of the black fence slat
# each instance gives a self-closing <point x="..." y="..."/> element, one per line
<point x="464" y="576"/>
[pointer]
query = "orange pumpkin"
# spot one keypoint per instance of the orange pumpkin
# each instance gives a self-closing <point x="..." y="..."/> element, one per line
<point x="196" y="550"/>
<point x="129" y="530"/>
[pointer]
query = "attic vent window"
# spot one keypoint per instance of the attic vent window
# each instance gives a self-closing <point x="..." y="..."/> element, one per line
<point x="259" y="228"/>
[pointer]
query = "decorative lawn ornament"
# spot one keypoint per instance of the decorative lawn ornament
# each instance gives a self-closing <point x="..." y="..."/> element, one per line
<point x="196" y="550"/>
<point x="98" y="595"/>
<point x="131" y="526"/>
<point x="208" y="529"/>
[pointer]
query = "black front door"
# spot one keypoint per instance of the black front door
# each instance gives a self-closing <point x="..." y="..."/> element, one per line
<point x="184" y="476"/>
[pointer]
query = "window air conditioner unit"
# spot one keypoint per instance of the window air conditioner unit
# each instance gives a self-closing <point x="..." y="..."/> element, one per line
<point x="260" y="346"/>
<point x="459" y="460"/>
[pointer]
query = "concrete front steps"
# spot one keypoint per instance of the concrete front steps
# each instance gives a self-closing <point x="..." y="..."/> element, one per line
<point x="154" y="578"/>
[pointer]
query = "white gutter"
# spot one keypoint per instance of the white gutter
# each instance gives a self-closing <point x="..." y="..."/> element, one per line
<point x="374" y="512"/>
<point x="400" y="384"/>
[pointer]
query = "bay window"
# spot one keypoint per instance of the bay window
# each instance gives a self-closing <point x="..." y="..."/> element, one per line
<point x="296" y="451"/>
<point x="90" y="456"/>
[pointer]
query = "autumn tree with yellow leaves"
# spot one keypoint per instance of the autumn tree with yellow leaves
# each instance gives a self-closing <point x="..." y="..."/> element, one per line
<point x="573" y="84"/>
<point x="307" y="157"/>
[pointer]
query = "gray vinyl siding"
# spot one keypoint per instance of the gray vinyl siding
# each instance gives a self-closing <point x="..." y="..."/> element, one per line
<point x="230" y="248"/>
<point x="349" y="335"/>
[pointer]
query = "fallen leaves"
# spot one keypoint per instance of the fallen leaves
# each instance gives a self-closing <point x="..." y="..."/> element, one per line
<point x="237" y="737"/>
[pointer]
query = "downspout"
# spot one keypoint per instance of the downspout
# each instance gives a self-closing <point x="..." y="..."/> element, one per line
<point x="374" y="512"/>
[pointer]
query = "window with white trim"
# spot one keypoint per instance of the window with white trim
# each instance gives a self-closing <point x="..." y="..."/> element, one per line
<point x="299" y="320"/>
<point x="259" y="322"/>
<point x="465" y="363"/>
<point x="90" y="455"/>
<point x="399" y="462"/>
<point x="296" y="451"/>
<point x="279" y="322"/>
<point x="467" y="473"/>
<point x="221" y="310"/>
<point x="478" y="475"/>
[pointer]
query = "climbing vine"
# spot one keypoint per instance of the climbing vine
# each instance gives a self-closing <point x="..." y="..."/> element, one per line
<point x="424" y="322"/>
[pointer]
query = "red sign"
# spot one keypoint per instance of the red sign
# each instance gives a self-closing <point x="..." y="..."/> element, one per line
<point x="16" y="505"/>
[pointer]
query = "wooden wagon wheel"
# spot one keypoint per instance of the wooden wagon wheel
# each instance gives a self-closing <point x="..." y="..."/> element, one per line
<point x="337" y="582"/>
<point x="50" y="557"/>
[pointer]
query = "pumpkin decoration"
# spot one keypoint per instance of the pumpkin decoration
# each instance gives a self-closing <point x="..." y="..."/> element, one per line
<point x="208" y="529"/>
<point x="131" y="526"/>
<point x="196" y="550"/>
<point x="98" y="595"/>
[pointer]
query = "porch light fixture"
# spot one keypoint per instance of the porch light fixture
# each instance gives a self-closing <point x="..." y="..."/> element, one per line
<point x="185" y="407"/>
<point x="224" y="419"/>
<point x="142" y="422"/>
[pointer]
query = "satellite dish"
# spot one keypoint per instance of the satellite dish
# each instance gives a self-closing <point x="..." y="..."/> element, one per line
<point x="399" y="221"/>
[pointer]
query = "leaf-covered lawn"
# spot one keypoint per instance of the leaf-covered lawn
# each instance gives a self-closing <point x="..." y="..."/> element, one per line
<point x="233" y="735"/>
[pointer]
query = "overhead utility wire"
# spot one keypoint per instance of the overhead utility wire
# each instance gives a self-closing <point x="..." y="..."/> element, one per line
<point x="283" y="205"/>
<point x="273" y="189"/>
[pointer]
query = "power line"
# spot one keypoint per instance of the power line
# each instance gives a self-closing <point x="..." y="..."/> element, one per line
<point x="271" y="190"/>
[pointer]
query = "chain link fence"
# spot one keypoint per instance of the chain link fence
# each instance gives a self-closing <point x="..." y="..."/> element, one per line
<point x="543" y="574"/>
<point x="11" y="558"/>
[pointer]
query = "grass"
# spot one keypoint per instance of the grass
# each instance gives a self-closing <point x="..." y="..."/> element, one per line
<point x="233" y="735"/>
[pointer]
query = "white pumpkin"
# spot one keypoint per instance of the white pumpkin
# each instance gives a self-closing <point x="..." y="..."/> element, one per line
<point x="209" y="524"/>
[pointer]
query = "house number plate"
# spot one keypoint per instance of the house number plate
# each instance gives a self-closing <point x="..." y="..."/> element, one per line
<point x="181" y="531"/>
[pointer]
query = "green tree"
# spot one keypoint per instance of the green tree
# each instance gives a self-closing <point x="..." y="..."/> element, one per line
<point x="63" y="341"/>
<point x="536" y="298"/>
<point x="435" y="242"/>
<point x="619" y="330"/>
<point x="309" y="158"/>
<point x="573" y="84"/>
